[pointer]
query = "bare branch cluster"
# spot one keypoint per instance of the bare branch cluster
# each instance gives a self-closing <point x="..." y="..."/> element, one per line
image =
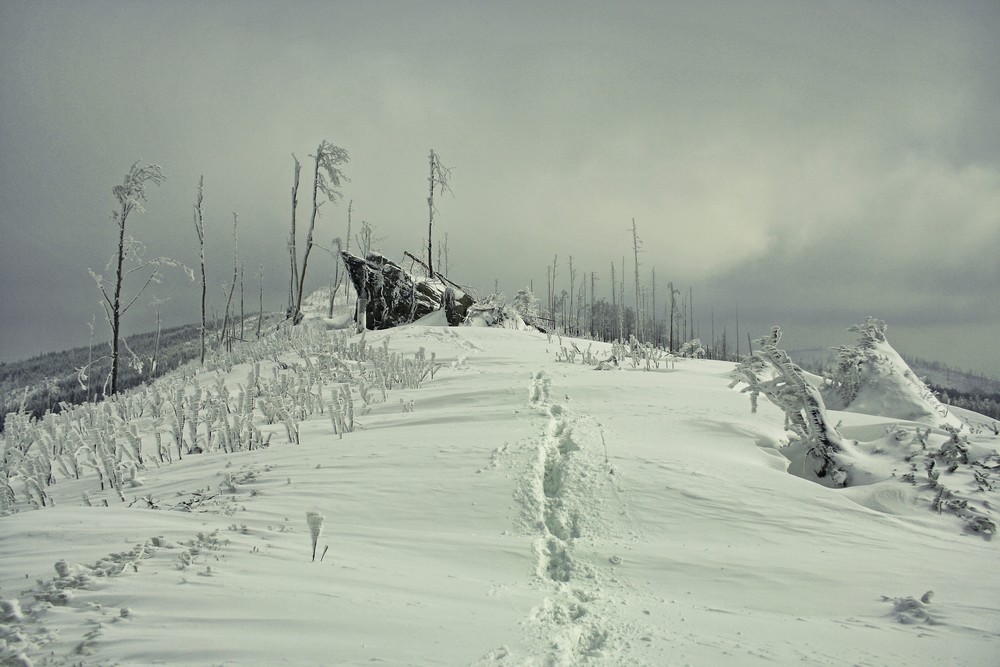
<point x="329" y="175"/>
<point x="132" y="192"/>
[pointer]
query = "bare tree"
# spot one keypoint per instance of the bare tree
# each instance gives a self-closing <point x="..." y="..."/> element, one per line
<point x="653" y="301"/>
<point x="128" y="259"/>
<point x="260" y="316"/>
<point x="225" y="337"/>
<point x="737" y="330"/>
<point x="156" y="303"/>
<point x="673" y="308"/>
<point x="243" y="316"/>
<point x="693" y="335"/>
<point x="439" y="177"/>
<point x="714" y="351"/>
<point x="621" y="303"/>
<point x="347" y="248"/>
<point x="442" y="253"/>
<point x="552" y="287"/>
<point x="572" y="287"/>
<point x="90" y="355"/>
<point x="614" y="290"/>
<point x="635" y="249"/>
<point x="447" y="261"/>
<point x="293" y="255"/>
<point x="366" y="238"/>
<point x="327" y="178"/>
<point x="199" y="227"/>
<point x="548" y="286"/>
<point x="337" y="277"/>
<point x="593" y="279"/>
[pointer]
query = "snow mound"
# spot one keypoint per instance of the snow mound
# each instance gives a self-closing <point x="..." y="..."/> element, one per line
<point x="875" y="380"/>
<point x="438" y="318"/>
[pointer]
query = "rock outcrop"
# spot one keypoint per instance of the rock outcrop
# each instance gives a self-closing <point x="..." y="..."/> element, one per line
<point x="390" y="295"/>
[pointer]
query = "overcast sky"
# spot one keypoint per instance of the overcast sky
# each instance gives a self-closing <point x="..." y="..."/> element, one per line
<point x="809" y="162"/>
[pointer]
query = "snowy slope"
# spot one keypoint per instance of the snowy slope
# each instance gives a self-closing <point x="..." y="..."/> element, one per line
<point x="520" y="511"/>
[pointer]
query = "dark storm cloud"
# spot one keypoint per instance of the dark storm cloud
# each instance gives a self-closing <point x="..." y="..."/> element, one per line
<point x="814" y="160"/>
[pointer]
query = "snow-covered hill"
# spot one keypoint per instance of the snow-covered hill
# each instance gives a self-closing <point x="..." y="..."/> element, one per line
<point x="512" y="510"/>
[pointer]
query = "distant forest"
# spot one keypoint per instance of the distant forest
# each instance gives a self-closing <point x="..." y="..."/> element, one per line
<point x="963" y="389"/>
<point x="41" y="383"/>
<point x="984" y="403"/>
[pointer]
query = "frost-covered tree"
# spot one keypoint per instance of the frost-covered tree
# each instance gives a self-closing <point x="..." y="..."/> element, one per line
<point x="855" y="361"/>
<point x="693" y="348"/>
<point x="128" y="258"/>
<point x="439" y="179"/>
<point x="327" y="179"/>
<point x="225" y="334"/>
<point x="199" y="227"/>
<point x="771" y="372"/>
<point x="526" y="306"/>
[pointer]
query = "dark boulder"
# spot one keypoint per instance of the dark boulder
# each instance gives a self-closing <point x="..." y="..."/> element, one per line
<point x="392" y="296"/>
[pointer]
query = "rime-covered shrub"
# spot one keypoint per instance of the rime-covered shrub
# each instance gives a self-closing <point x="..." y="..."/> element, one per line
<point x="693" y="349"/>
<point x="296" y="374"/>
<point x="526" y="306"/>
<point x="494" y="311"/>
<point x="769" y="371"/>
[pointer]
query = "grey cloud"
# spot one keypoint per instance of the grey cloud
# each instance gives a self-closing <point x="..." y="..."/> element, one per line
<point x="849" y="149"/>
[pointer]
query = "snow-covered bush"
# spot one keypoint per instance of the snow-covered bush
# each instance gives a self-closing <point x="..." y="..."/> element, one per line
<point x="856" y="362"/>
<point x="693" y="348"/>
<point x="494" y="311"/>
<point x="526" y="306"/>
<point x="965" y="467"/>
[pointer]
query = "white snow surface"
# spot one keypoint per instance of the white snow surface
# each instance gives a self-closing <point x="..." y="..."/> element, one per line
<point x="524" y="512"/>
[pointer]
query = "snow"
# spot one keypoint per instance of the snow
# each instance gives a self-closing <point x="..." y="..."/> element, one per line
<point x="524" y="512"/>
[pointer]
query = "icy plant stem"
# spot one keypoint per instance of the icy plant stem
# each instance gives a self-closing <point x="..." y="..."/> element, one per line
<point x="315" y="521"/>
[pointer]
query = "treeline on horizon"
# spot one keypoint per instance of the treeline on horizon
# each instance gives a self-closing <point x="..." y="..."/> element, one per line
<point x="44" y="382"/>
<point x="41" y="384"/>
<point x="987" y="404"/>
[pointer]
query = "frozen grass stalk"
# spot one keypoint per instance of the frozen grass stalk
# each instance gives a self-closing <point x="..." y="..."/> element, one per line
<point x="315" y="521"/>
